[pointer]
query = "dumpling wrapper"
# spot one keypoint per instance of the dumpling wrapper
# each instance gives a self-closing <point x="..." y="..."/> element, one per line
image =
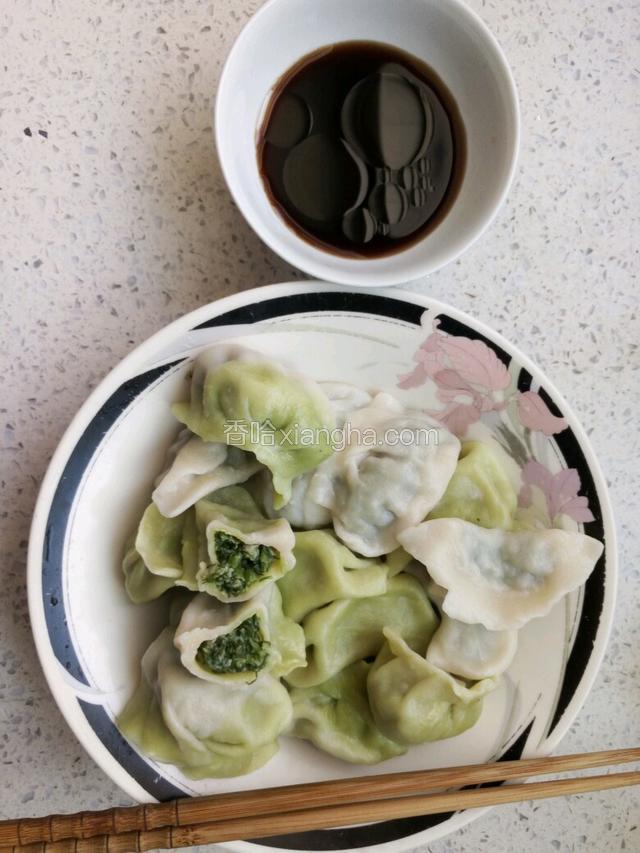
<point x="206" y="619"/>
<point x="159" y="542"/>
<point x="180" y="551"/>
<point x="324" y="571"/>
<point x="498" y="578"/>
<point x="345" y="399"/>
<point x="155" y="556"/>
<point x="214" y="516"/>
<point x="207" y="730"/>
<point x="378" y="485"/>
<point x="198" y="468"/>
<point x="302" y="510"/>
<point x="335" y="716"/>
<point x="399" y="561"/>
<point x="413" y="701"/>
<point x="240" y="397"/>
<point x="480" y="489"/>
<point x="469" y="651"/>
<point x="350" y="629"/>
<point x="140" y="584"/>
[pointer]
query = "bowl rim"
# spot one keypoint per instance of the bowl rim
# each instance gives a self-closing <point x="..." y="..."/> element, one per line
<point x="129" y="366"/>
<point x="365" y="272"/>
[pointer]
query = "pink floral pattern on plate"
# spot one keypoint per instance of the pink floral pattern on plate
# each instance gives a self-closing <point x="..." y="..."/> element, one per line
<point x="560" y="491"/>
<point x="534" y="413"/>
<point x="470" y="381"/>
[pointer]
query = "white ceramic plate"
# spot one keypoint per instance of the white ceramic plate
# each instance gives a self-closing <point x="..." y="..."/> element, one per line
<point x="90" y="637"/>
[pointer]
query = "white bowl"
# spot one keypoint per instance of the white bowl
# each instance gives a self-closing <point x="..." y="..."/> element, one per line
<point x="447" y="35"/>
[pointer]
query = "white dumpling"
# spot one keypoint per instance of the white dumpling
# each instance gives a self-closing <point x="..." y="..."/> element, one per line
<point x="198" y="468"/>
<point x="500" y="578"/>
<point x="345" y="399"/>
<point x="193" y="711"/>
<point x="207" y="730"/>
<point x="303" y="511"/>
<point x="244" y="551"/>
<point x="470" y="651"/>
<point x="205" y="620"/>
<point x="392" y="472"/>
<point x="241" y="641"/>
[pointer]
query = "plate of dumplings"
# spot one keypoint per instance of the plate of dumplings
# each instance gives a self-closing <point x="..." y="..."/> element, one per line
<point x="309" y="533"/>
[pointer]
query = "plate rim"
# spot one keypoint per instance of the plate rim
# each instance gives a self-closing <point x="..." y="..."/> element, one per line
<point x="121" y="371"/>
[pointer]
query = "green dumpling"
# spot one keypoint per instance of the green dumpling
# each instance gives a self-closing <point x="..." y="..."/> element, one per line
<point x="324" y="571"/>
<point x="479" y="491"/>
<point x="397" y="561"/>
<point x="350" y="629"/>
<point x="141" y="584"/>
<point x="284" y="420"/>
<point x="222" y="546"/>
<point x="335" y="716"/>
<point x="413" y="701"/>
<point x="153" y="562"/>
<point x="207" y="730"/>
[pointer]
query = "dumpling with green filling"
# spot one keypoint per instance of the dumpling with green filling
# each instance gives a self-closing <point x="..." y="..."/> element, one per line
<point x="222" y="546"/>
<point x="242" y="551"/>
<point x="197" y="468"/>
<point x="480" y="489"/>
<point x="240" y="642"/>
<point x="206" y="730"/>
<point x="350" y="629"/>
<point x="413" y="701"/>
<point x="241" y="398"/>
<point x="325" y="570"/>
<point x="335" y="716"/>
<point x="167" y="552"/>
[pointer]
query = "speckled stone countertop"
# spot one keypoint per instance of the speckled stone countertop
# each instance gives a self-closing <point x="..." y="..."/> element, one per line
<point x="116" y="220"/>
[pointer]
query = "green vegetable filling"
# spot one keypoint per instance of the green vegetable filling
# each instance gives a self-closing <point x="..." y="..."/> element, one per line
<point x="239" y="565"/>
<point x="242" y="650"/>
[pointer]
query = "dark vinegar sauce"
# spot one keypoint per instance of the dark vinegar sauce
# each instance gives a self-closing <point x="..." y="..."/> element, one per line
<point x="362" y="149"/>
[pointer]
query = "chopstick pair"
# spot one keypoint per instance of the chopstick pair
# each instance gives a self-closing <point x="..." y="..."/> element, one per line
<point x="319" y="805"/>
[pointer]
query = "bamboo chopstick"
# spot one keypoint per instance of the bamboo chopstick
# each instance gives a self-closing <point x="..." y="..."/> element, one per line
<point x="279" y="811"/>
<point x="308" y="819"/>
